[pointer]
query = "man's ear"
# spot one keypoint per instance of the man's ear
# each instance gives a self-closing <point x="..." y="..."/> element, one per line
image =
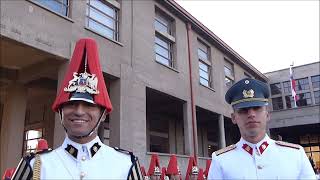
<point x="233" y="118"/>
<point x="268" y="116"/>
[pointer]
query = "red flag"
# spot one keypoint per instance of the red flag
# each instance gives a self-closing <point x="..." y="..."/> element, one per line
<point x="293" y="87"/>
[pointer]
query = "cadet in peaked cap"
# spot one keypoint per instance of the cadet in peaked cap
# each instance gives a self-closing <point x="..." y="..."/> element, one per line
<point x="256" y="156"/>
<point x="248" y="93"/>
<point x="82" y="102"/>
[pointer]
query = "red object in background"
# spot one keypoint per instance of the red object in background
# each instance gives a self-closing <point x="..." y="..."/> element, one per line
<point x="200" y="175"/>
<point x="42" y="145"/>
<point x="8" y="173"/>
<point x="192" y="162"/>
<point x="163" y="173"/>
<point x="206" y="172"/>
<point x="154" y="162"/>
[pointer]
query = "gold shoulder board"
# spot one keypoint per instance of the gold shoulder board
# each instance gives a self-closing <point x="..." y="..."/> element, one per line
<point x="286" y="144"/>
<point x="226" y="149"/>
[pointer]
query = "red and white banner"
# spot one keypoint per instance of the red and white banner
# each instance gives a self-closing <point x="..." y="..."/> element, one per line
<point x="293" y="88"/>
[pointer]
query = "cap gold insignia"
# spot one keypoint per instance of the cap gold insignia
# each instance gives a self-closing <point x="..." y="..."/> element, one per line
<point x="248" y="94"/>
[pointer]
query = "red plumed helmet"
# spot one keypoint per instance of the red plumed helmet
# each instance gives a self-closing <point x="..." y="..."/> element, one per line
<point x="154" y="167"/>
<point x="8" y="173"/>
<point x="84" y="80"/>
<point x="143" y="171"/>
<point x="163" y="173"/>
<point x="207" y="167"/>
<point x="173" y="168"/>
<point x="192" y="168"/>
<point x="42" y="145"/>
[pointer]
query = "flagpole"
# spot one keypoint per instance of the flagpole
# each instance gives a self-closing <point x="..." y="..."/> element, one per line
<point x="292" y="88"/>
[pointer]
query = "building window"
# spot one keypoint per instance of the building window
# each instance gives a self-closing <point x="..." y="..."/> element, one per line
<point x="315" y="81"/>
<point x="31" y="139"/>
<point x="163" y="50"/>
<point x="204" y="65"/>
<point x="162" y="23"/>
<point x="286" y="87"/>
<point x="304" y="99"/>
<point x="58" y="6"/>
<point x="317" y="97"/>
<point x="302" y="84"/>
<point x="275" y="88"/>
<point x="102" y="17"/>
<point x="229" y="74"/>
<point x="289" y="102"/>
<point x="164" y="40"/>
<point x="277" y="103"/>
<point x="311" y="145"/>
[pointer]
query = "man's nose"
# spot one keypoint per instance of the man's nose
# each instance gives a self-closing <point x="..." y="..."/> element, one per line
<point x="80" y="109"/>
<point x="251" y="112"/>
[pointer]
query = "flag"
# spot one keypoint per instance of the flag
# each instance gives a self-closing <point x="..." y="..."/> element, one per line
<point x="293" y="87"/>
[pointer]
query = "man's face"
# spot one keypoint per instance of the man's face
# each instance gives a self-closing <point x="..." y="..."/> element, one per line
<point x="155" y="177"/>
<point x="80" y="117"/>
<point x="193" y="176"/>
<point x="251" y="121"/>
<point x="175" y="177"/>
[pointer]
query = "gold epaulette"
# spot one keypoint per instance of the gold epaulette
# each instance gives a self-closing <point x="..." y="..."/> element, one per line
<point x="226" y="149"/>
<point x="286" y="144"/>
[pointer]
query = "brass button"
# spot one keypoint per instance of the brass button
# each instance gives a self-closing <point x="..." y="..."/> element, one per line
<point x="259" y="167"/>
<point x="83" y="158"/>
<point x="82" y="174"/>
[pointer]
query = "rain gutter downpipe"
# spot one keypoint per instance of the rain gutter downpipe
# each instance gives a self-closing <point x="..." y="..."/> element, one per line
<point x="191" y="93"/>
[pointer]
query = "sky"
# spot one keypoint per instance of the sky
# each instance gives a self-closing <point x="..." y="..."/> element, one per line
<point x="271" y="35"/>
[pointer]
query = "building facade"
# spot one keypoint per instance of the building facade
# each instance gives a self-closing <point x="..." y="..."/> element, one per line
<point x="166" y="75"/>
<point x="297" y="122"/>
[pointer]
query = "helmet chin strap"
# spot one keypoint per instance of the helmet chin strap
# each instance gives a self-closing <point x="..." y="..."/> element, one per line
<point x="90" y="133"/>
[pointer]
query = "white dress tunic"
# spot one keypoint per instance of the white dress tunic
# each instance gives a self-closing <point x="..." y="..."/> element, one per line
<point x="267" y="159"/>
<point x="92" y="160"/>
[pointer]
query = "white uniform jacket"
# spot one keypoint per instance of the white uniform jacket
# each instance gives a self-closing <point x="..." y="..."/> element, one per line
<point x="267" y="159"/>
<point x="92" y="160"/>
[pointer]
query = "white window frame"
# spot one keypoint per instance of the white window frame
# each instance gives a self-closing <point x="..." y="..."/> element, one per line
<point x="63" y="6"/>
<point x="164" y="39"/>
<point x="95" y="14"/>
<point x="204" y="61"/>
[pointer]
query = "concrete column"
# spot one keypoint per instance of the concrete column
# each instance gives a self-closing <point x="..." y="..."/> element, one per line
<point x="59" y="133"/>
<point x="132" y="112"/>
<point x="222" y="139"/>
<point x="180" y="137"/>
<point x="12" y="128"/>
<point x="115" y="114"/>
<point x="172" y="136"/>
<point x="187" y="119"/>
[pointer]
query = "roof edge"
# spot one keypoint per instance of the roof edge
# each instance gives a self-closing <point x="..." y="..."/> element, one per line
<point x="207" y="31"/>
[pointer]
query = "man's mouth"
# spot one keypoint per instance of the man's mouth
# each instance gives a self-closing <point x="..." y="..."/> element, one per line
<point x="252" y="123"/>
<point x="78" y="121"/>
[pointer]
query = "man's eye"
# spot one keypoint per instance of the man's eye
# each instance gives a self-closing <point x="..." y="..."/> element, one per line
<point x="242" y="111"/>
